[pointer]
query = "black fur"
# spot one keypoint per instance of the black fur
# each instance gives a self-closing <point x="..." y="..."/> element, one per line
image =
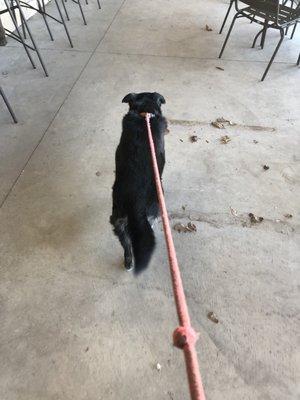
<point x="135" y="202"/>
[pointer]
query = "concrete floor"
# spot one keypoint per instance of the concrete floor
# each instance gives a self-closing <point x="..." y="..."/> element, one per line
<point x="73" y="324"/>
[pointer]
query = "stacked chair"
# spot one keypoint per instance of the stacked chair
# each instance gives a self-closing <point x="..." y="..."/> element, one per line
<point x="22" y="33"/>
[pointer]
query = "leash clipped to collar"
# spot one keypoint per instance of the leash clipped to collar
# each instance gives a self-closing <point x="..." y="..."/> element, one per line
<point x="184" y="336"/>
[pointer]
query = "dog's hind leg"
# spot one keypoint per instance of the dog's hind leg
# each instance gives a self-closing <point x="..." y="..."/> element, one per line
<point x="121" y="231"/>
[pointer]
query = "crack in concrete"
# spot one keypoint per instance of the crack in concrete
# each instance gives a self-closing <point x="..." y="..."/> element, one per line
<point x="127" y="53"/>
<point x="183" y="122"/>
<point x="220" y="220"/>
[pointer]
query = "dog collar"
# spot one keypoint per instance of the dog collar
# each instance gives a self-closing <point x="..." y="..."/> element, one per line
<point x="143" y="114"/>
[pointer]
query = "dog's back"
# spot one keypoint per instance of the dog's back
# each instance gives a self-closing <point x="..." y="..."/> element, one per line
<point x="134" y="192"/>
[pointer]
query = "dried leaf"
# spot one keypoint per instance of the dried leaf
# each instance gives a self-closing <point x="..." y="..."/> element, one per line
<point x="220" y="68"/>
<point x="98" y="173"/>
<point x="255" y="141"/>
<point x="254" y="219"/>
<point x="225" y="139"/>
<point x="184" y="207"/>
<point x="233" y="211"/>
<point x="207" y="141"/>
<point x="266" y="167"/>
<point x="218" y="125"/>
<point x="288" y="215"/>
<point x="87" y="349"/>
<point x="181" y="140"/>
<point x="190" y="227"/>
<point x="212" y="316"/>
<point x="208" y="28"/>
<point x="179" y="227"/>
<point x="194" y="138"/>
<point x="223" y="120"/>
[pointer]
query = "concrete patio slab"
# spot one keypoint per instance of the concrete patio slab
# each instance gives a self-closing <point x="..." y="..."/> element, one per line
<point x="73" y="324"/>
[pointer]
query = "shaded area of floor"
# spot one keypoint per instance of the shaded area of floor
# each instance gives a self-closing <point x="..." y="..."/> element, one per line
<point x="73" y="324"/>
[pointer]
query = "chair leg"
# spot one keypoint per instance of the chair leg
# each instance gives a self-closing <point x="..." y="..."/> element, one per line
<point x="81" y="11"/>
<point x="32" y="39"/>
<point x="13" y="9"/>
<point x="99" y="5"/>
<point x="294" y="30"/>
<point x="13" y="115"/>
<point x="3" y="41"/>
<point x="23" y="26"/>
<point x="226" y="16"/>
<point x="274" y="54"/>
<point x="256" y="37"/>
<point x="21" y="19"/>
<point x="228" y="33"/>
<point x="44" y="18"/>
<point x="63" y="22"/>
<point x="298" y="62"/>
<point x="19" y="33"/>
<point x="264" y="34"/>
<point x="65" y="10"/>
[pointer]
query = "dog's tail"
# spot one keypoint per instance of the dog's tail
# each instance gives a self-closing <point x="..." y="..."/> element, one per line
<point x="142" y="238"/>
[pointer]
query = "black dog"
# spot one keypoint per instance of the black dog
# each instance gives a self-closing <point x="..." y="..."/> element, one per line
<point x="135" y="204"/>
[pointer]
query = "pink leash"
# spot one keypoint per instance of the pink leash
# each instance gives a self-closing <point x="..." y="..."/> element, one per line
<point x="184" y="337"/>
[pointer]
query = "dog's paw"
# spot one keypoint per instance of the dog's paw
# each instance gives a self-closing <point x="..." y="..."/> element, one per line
<point x="128" y="264"/>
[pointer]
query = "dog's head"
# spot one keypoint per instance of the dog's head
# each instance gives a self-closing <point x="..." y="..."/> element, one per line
<point x="144" y="102"/>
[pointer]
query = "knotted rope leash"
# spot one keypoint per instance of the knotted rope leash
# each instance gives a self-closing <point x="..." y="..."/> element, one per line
<point x="184" y="337"/>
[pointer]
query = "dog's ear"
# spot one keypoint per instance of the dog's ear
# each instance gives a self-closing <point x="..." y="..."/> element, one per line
<point x="129" y="98"/>
<point x="160" y="99"/>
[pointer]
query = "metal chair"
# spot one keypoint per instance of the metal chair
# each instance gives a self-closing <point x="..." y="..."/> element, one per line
<point x="13" y="115"/>
<point x="269" y="14"/>
<point x="16" y="35"/>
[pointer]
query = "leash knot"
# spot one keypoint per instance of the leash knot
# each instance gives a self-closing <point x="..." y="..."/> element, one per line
<point x="184" y="335"/>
